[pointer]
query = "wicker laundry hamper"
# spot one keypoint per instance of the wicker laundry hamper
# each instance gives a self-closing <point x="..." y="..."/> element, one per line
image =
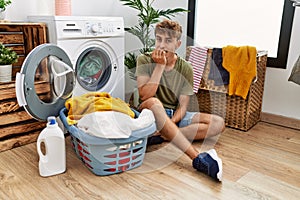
<point x="238" y="113"/>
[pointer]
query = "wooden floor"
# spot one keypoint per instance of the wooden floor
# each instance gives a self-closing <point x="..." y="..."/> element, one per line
<point x="263" y="163"/>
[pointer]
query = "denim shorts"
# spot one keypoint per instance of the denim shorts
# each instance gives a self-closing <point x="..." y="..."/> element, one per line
<point x="185" y="121"/>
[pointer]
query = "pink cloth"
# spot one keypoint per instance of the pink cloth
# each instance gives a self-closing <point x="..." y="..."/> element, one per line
<point x="198" y="58"/>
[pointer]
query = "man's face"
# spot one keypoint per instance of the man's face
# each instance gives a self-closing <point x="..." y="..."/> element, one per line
<point x="163" y="41"/>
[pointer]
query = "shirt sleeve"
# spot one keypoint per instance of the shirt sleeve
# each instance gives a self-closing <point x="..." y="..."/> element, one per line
<point x="143" y="66"/>
<point x="187" y="88"/>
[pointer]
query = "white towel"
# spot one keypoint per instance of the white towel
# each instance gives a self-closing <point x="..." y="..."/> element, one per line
<point x="198" y="58"/>
<point x="113" y="124"/>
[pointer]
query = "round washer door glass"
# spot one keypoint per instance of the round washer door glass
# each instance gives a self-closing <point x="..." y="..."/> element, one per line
<point x="93" y="68"/>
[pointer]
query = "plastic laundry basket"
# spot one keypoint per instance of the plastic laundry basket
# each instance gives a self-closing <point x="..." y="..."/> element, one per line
<point x="108" y="156"/>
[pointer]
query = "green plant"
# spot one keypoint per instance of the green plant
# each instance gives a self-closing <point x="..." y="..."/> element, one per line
<point x="7" y="55"/>
<point x="4" y="3"/>
<point x="147" y="17"/>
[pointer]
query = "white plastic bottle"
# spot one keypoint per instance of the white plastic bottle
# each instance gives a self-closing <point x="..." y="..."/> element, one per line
<point x="53" y="159"/>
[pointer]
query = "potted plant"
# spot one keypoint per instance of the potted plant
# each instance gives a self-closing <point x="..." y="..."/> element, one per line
<point x="147" y="17"/>
<point x="3" y="5"/>
<point x="7" y="58"/>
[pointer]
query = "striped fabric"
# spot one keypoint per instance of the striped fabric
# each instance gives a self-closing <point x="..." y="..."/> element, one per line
<point x="198" y="58"/>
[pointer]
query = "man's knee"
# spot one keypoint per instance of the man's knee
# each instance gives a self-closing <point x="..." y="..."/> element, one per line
<point x="149" y="103"/>
<point x="218" y="122"/>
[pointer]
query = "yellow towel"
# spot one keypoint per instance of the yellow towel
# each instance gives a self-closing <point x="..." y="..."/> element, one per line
<point x="240" y="62"/>
<point x="92" y="102"/>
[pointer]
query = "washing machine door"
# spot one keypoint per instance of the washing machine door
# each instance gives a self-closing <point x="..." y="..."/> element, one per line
<point x="93" y="68"/>
<point x="45" y="82"/>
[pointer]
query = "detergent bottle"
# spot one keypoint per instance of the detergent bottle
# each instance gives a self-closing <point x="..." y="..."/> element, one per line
<point x="52" y="160"/>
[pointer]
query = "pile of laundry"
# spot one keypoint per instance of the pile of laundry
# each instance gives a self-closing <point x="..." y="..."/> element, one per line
<point x="99" y="114"/>
<point x="234" y="66"/>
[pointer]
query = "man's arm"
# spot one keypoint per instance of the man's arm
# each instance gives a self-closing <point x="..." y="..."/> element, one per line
<point x="148" y="85"/>
<point x="182" y="108"/>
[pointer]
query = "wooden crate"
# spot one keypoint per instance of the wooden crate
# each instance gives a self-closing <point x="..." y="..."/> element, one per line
<point x="238" y="113"/>
<point x="16" y="126"/>
<point x="22" y="38"/>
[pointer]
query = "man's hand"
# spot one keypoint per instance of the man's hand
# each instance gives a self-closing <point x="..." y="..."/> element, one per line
<point x="159" y="57"/>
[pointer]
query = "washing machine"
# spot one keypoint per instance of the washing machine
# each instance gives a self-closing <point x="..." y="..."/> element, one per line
<point x="95" y="46"/>
<point x="84" y="54"/>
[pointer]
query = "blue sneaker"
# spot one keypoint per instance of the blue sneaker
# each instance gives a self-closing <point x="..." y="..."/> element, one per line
<point x="210" y="164"/>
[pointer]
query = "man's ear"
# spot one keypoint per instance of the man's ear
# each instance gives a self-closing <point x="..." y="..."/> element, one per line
<point x="178" y="44"/>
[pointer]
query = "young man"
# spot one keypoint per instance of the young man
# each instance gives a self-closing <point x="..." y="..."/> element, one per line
<point x="165" y="84"/>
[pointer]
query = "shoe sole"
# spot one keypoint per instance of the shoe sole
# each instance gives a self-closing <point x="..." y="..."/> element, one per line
<point x="215" y="156"/>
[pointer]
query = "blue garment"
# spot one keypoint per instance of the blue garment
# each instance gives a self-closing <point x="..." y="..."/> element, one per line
<point x="217" y="72"/>
<point x="185" y="121"/>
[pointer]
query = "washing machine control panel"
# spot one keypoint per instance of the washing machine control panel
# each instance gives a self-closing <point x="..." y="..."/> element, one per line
<point x="102" y="28"/>
<point x="68" y="27"/>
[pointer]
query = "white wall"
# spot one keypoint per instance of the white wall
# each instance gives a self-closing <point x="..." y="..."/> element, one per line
<point x="280" y="96"/>
<point x="20" y="9"/>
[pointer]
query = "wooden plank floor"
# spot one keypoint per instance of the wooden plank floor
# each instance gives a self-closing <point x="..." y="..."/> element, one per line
<point x="263" y="163"/>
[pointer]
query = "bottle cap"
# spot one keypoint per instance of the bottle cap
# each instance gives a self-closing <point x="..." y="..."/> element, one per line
<point x="51" y="120"/>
